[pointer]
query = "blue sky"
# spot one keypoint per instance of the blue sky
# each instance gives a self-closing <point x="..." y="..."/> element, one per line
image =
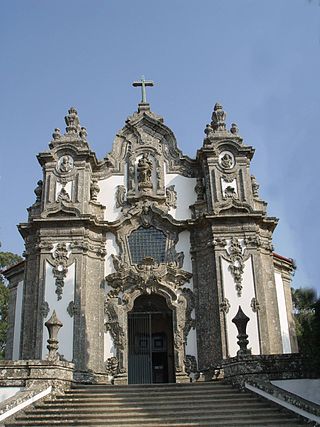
<point x="259" y="59"/>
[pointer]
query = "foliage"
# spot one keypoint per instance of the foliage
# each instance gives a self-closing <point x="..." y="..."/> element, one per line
<point x="307" y="318"/>
<point x="7" y="259"/>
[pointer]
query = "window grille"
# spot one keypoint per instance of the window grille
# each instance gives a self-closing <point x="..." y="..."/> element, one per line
<point x="147" y="242"/>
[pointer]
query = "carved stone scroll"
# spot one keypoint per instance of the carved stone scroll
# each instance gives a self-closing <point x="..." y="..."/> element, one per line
<point x="60" y="269"/>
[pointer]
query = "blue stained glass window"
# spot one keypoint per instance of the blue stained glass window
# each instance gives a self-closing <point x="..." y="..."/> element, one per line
<point x="147" y="242"/>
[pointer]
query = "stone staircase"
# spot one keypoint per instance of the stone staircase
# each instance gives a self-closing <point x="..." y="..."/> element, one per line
<point x="199" y="404"/>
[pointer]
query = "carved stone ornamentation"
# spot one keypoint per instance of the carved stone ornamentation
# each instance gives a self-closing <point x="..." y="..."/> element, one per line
<point x="171" y="197"/>
<point x="226" y="161"/>
<point x="146" y="216"/>
<point x="220" y="243"/>
<point x="44" y="309"/>
<point x="65" y="164"/>
<point x="72" y="309"/>
<point x="148" y="276"/>
<point x="200" y="190"/>
<point x="53" y="325"/>
<point x="234" y="129"/>
<point x="63" y="196"/>
<point x="241" y="320"/>
<point x="94" y="190"/>
<point x="120" y="196"/>
<point x="60" y="269"/>
<point x="225" y="306"/>
<point x="112" y="366"/>
<point x="189" y="321"/>
<point x="72" y="121"/>
<point x="113" y="326"/>
<point x="56" y="134"/>
<point x="229" y="178"/>
<point x="236" y="258"/>
<point x="38" y="191"/>
<point x="144" y="173"/>
<point x="230" y="193"/>
<point x="255" y="187"/>
<point x="218" y="118"/>
<point x="83" y="134"/>
<point x="255" y="305"/>
<point x="190" y="364"/>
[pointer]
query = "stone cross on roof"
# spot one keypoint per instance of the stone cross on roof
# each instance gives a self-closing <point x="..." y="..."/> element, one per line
<point x="143" y="83"/>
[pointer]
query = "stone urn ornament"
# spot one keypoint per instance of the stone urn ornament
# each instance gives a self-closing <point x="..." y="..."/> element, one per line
<point x="53" y="325"/>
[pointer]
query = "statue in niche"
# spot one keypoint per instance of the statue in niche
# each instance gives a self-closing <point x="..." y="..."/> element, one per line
<point x="94" y="190"/>
<point x="38" y="191"/>
<point x="144" y="171"/>
<point x="65" y="164"/>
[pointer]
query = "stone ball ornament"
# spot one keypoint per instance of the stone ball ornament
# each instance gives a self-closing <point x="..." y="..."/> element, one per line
<point x="226" y="160"/>
<point x="65" y="164"/>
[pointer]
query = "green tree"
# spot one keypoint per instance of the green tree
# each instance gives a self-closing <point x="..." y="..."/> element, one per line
<point x="307" y="318"/>
<point x="7" y="259"/>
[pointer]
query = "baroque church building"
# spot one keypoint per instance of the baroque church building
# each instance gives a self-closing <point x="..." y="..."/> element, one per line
<point x="146" y="258"/>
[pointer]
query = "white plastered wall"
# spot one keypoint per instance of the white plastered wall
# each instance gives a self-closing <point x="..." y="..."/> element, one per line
<point x="17" y="322"/>
<point x="112" y="249"/>
<point x="106" y="196"/>
<point x="65" y="335"/>
<point x="183" y="245"/>
<point x="186" y="194"/>
<point x="248" y="292"/>
<point x="284" y="327"/>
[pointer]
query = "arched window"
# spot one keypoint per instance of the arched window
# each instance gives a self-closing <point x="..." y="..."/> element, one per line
<point x="147" y="242"/>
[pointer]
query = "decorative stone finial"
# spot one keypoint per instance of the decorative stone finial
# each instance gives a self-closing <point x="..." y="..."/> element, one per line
<point x="72" y="121"/>
<point x="218" y="118"/>
<point x="38" y="191"/>
<point x="56" y="134"/>
<point x="83" y="133"/>
<point x="234" y="129"/>
<point x="241" y="320"/>
<point x="53" y="325"/>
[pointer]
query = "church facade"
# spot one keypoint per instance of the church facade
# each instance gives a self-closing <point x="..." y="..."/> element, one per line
<point x="147" y="255"/>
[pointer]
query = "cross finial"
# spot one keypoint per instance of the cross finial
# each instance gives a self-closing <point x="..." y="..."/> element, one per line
<point x="143" y="83"/>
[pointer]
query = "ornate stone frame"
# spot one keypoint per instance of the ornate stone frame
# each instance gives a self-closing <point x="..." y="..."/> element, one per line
<point x="132" y="280"/>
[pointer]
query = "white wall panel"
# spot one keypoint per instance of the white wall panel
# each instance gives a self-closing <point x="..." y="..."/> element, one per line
<point x="107" y="196"/>
<point x="17" y="322"/>
<point x="244" y="301"/>
<point x="65" y="335"/>
<point x="284" y="327"/>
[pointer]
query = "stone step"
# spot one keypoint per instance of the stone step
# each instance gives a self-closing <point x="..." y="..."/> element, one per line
<point x="165" y="386"/>
<point x="151" y="421"/>
<point x="153" y="394"/>
<point x="147" y="405"/>
<point x="167" y="405"/>
<point x="167" y="412"/>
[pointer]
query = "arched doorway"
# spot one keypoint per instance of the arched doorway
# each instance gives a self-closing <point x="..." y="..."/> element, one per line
<point x="150" y="341"/>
